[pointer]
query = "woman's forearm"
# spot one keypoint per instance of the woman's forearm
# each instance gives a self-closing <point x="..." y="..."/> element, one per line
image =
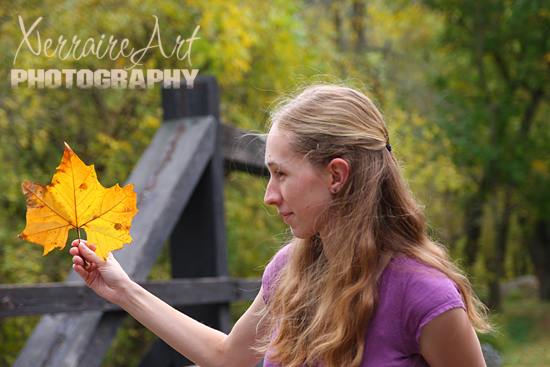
<point x="198" y="342"/>
<point x="201" y="344"/>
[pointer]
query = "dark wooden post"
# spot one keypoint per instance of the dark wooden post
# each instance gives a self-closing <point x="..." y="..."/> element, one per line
<point x="197" y="244"/>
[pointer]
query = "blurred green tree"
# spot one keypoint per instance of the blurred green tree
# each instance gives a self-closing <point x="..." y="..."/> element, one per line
<point x="495" y="88"/>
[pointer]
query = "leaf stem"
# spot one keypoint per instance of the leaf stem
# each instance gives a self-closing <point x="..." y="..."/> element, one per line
<point x="85" y="264"/>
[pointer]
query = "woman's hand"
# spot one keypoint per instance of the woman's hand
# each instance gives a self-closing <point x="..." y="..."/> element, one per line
<point x="106" y="278"/>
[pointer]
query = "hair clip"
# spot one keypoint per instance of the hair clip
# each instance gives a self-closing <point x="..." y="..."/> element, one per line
<point x="389" y="147"/>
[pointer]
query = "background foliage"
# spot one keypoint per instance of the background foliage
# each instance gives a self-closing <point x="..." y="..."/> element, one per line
<point x="463" y="85"/>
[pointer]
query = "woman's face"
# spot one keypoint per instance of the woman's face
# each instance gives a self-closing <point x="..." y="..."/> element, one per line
<point x="299" y="191"/>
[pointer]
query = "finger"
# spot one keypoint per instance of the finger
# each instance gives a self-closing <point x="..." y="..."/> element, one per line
<point x="81" y="271"/>
<point x="76" y="242"/>
<point x="77" y="260"/>
<point x="90" y="245"/>
<point x="89" y="255"/>
<point x="74" y="251"/>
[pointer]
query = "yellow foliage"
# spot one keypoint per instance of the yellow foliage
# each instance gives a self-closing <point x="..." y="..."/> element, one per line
<point x="540" y="166"/>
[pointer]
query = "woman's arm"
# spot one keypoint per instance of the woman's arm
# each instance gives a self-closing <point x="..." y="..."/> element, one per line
<point x="199" y="343"/>
<point x="449" y="340"/>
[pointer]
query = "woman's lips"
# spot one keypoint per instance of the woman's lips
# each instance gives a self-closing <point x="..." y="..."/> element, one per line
<point x="286" y="216"/>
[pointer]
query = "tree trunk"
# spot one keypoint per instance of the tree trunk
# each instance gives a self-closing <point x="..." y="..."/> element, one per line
<point x="337" y="18"/>
<point x="474" y="214"/>
<point x="474" y="211"/>
<point x="539" y="247"/>
<point x="358" y="24"/>
<point x="496" y="264"/>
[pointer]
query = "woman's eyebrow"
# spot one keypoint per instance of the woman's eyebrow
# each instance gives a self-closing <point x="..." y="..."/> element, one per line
<point x="272" y="164"/>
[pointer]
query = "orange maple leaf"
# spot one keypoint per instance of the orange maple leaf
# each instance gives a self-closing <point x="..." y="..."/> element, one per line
<point x="76" y="199"/>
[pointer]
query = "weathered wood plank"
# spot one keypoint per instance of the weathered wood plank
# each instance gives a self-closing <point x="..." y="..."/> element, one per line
<point x="164" y="179"/>
<point x="243" y="151"/>
<point x="26" y="300"/>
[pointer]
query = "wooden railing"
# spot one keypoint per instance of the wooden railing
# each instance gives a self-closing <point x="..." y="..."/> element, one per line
<point x="50" y="298"/>
<point x="179" y="182"/>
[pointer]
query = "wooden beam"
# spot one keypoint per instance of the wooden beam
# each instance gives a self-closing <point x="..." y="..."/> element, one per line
<point x="243" y="151"/>
<point x="49" y="298"/>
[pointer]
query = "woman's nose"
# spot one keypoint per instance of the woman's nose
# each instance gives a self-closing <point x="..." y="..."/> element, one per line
<point x="272" y="195"/>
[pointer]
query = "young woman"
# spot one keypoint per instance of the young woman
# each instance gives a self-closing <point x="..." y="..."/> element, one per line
<point x="361" y="284"/>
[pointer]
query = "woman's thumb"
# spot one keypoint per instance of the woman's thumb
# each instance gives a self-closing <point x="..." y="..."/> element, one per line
<point x="88" y="254"/>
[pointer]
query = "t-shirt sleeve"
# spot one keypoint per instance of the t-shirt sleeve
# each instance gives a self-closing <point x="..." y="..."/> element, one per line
<point x="429" y="295"/>
<point x="272" y="270"/>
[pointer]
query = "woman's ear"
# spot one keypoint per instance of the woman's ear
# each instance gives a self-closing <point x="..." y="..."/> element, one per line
<point x="338" y="168"/>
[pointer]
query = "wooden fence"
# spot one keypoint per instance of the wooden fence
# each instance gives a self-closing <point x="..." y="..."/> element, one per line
<point x="179" y="182"/>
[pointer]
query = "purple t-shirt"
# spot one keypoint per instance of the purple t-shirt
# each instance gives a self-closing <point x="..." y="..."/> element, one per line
<point x="411" y="295"/>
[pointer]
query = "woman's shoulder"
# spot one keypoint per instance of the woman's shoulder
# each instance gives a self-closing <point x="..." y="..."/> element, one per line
<point x="413" y="270"/>
<point x="414" y="282"/>
<point x="417" y="293"/>
<point x="272" y="269"/>
<point x="280" y="259"/>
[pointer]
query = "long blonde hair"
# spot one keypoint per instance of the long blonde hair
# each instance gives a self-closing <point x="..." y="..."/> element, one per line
<point x="327" y="293"/>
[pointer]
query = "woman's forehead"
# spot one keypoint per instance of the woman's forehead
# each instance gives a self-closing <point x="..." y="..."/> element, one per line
<point x="278" y="148"/>
<point x="275" y="147"/>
